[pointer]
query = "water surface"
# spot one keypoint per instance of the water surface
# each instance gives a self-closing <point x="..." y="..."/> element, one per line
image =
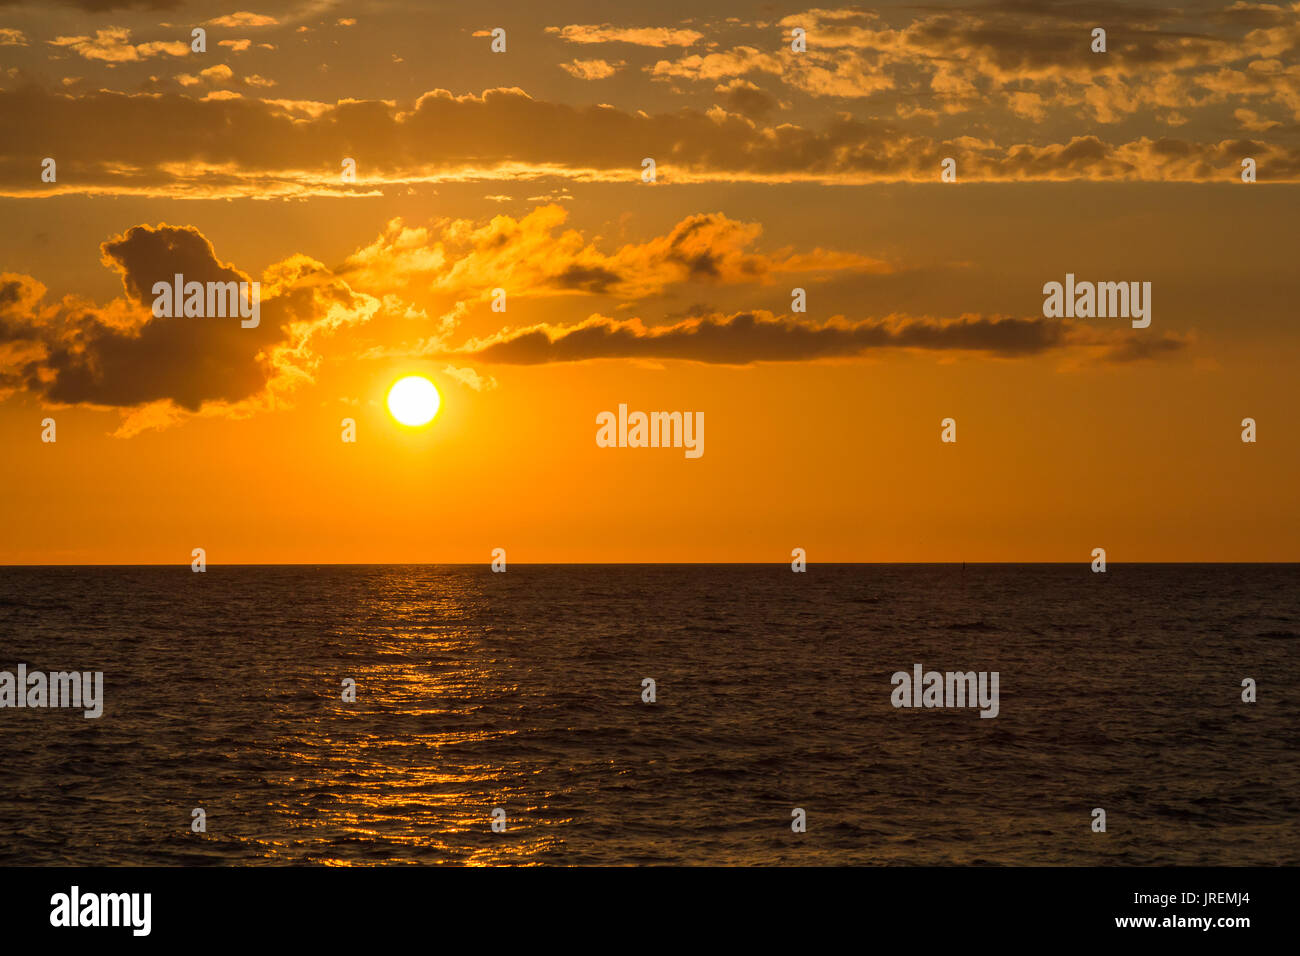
<point x="523" y="691"/>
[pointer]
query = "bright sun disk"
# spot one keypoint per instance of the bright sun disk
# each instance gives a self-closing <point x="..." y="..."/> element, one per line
<point x="413" y="400"/>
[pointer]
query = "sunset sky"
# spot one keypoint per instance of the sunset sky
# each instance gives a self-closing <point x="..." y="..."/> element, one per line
<point x="522" y="170"/>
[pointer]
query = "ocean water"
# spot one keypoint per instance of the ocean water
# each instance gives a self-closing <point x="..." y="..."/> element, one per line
<point x="523" y="691"/>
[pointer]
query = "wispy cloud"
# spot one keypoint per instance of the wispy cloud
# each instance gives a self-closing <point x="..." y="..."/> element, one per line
<point x="637" y="36"/>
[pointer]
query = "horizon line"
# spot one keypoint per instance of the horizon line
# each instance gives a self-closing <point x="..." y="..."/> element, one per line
<point x="536" y="564"/>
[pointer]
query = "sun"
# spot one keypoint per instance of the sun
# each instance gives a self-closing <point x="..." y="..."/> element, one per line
<point x="413" y="400"/>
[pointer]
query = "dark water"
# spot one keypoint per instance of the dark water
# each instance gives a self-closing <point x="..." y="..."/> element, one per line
<point x="523" y="691"/>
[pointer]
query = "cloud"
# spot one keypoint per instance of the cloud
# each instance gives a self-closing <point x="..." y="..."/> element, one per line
<point x="157" y="371"/>
<point x="1250" y="120"/>
<point x="244" y="19"/>
<point x="744" y="97"/>
<point x="160" y="371"/>
<point x="470" y="378"/>
<point x="217" y="74"/>
<point x="960" y="58"/>
<point x="590" y="69"/>
<point x="268" y="148"/>
<point x="105" y="6"/>
<point x="749" y="337"/>
<point x="638" y="36"/>
<point x="113" y="45"/>
<point x="12" y="37"/>
<point x="527" y="256"/>
<point x="716" y="66"/>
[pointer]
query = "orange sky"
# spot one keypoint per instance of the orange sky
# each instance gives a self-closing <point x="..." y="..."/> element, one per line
<point x="822" y="428"/>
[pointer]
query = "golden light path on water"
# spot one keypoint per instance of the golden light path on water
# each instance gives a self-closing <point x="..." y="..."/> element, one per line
<point x="400" y="775"/>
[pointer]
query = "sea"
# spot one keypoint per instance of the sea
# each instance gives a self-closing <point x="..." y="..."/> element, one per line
<point x="364" y="715"/>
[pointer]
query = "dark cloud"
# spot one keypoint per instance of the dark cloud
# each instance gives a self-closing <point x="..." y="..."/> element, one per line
<point x="587" y="279"/>
<point x="173" y="145"/>
<point x="747" y="337"/>
<point x="106" y="6"/>
<point x="1071" y="10"/>
<point x="742" y="96"/>
<point x="121" y="355"/>
<point x="1255" y="14"/>
<point x="1137" y="348"/>
<point x="90" y="359"/>
<point x="145" y="255"/>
